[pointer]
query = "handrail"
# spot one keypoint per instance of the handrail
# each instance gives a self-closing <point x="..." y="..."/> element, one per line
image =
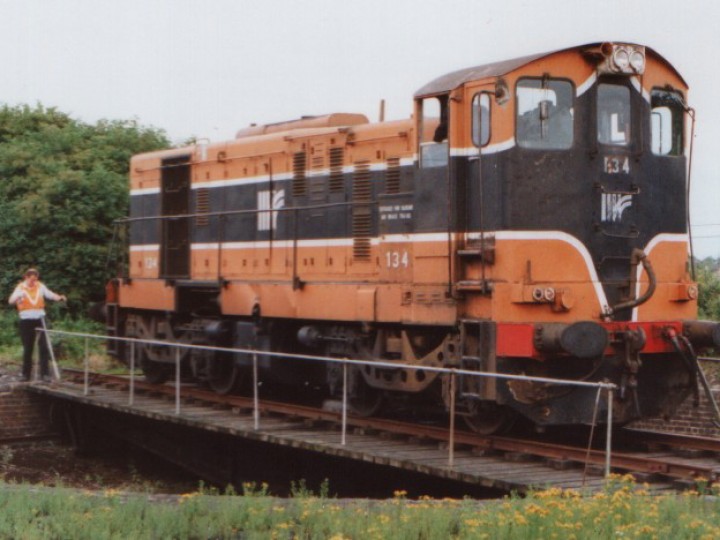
<point x="345" y="362"/>
<point x="249" y="211"/>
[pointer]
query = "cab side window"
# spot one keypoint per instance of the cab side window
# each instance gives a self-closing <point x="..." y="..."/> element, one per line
<point x="481" y="119"/>
<point x="545" y="114"/>
<point x="434" y="132"/>
<point x="666" y="123"/>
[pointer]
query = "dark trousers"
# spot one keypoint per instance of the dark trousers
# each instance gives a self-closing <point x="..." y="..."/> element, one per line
<point x="28" y="336"/>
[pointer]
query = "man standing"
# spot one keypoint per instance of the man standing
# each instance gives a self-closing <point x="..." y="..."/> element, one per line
<point x="29" y="297"/>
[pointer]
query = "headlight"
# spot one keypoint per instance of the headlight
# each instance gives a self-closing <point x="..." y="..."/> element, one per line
<point x="637" y="61"/>
<point x="621" y="59"/>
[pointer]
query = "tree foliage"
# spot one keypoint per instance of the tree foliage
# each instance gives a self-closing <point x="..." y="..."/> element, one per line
<point x="62" y="184"/>
<point x="708" y="276"/>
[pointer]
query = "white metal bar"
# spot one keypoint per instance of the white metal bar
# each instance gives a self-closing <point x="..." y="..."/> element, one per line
<point x="451" y="442"/>
<point x="177" y="380"/>
<point x="256" y="397"/>
<point x="374" y="363"/>
<point x="131" y="399"/>
<point x="48" y="341"/>
<point x="86" y="374"/>
<point x="608" y="440"/>
<point x="344" y="405"/>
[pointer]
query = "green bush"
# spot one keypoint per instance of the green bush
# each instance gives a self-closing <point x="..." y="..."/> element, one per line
<point x="708" y="277"/>
<point x="63" y="183"/>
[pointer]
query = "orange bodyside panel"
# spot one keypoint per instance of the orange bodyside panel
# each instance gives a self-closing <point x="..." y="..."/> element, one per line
<point x="560" y="263"/>
<point x="147" y="294"/>
<point x="675" y="296"/>
<point x="144" y="263"/>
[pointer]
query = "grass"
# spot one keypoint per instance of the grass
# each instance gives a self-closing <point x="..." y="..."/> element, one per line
<point x="622" y="510"/>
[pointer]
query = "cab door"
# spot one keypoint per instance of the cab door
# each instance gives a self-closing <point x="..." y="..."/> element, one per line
<point x="432" y="210"/>
<point x="175" y="226"/>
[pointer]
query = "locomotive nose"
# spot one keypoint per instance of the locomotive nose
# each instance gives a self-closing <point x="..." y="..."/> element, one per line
<point x="583" y="339"/>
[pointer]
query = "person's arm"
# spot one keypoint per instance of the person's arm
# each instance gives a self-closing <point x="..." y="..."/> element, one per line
<point x="47" y="293"/>
<point x="16" y="296"/>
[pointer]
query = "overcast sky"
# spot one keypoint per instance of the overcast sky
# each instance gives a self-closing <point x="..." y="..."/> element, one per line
<point x="206" y="68"/>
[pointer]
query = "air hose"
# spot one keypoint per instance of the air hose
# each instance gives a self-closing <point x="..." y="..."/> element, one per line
<point x="638" y="257"/>
<point x="691" y="361"/>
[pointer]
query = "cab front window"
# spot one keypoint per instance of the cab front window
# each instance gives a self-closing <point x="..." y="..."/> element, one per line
<point x="613" y="114"/>
<point x="545" y="113"/>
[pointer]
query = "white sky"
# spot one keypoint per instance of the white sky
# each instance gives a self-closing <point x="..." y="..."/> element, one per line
<point x="206" y="68"/>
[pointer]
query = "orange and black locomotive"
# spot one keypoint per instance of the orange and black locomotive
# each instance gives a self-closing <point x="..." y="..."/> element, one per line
<point x="530" y="218"/>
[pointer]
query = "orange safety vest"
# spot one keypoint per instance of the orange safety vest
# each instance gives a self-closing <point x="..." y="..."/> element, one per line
<point x="33" y="298"/>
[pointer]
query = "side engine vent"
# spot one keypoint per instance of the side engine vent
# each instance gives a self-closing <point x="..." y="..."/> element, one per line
<point x="392" y="176"/>
<point x="299" y="186"/>
<point x="202" y="206"/>
<point x="361" y="211"/>
<point x="337" y="157"/>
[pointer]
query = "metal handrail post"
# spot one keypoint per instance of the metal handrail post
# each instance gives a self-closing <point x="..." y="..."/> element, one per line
<point x="256" y="397"/>
<point x="451" y="441"/>
<point x="343" y="439"/>
<point x="86" y="375"/>
<point x="608" y="440"/>
<point x="131" y="400"/>
<point x="177" y="380"/>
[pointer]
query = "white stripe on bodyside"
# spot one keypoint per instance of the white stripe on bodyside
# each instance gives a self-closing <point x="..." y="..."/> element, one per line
<point x="262" y="179"/>
<point x="587" y="85"/>
<point x="489" y="149"/>
<point x="265" y="178"/>
<point x="144" y="191"/>
<point x="635" y="81"/>
<point x="652" y="244"/>
<point x="568" y="239"/>
<point x="427" y="237"/>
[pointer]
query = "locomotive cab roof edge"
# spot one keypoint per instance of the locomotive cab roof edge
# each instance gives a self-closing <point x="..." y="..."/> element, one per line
<point x="455" y="79"/>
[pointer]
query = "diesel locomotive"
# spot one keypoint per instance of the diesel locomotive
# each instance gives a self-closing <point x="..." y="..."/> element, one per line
<point x="529" y="218"/>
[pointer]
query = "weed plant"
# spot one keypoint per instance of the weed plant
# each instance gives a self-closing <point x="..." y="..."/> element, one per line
<point x="622" y="510"/>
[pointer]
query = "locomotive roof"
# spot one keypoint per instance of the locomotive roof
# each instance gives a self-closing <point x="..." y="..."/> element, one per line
<point x="450" y="81"/>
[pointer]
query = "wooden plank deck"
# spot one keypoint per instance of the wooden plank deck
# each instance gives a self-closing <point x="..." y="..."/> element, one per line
<point x="425" y="457"/>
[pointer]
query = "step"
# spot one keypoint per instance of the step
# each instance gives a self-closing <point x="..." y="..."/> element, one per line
<point x="472" y="286"/>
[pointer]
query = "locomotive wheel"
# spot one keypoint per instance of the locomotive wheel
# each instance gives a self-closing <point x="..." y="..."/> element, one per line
<point x="490" y="419"/>
<point x="157" y="362"/>
<point x="224" y="376"/>
<point x="363" y="399"/>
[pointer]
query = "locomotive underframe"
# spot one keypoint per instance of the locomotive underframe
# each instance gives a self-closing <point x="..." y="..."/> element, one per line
<point x="650" y="383"/>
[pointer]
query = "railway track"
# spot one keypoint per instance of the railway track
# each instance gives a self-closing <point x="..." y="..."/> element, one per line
<point x="27" y="439"/>
<point x="663" y="456"/>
